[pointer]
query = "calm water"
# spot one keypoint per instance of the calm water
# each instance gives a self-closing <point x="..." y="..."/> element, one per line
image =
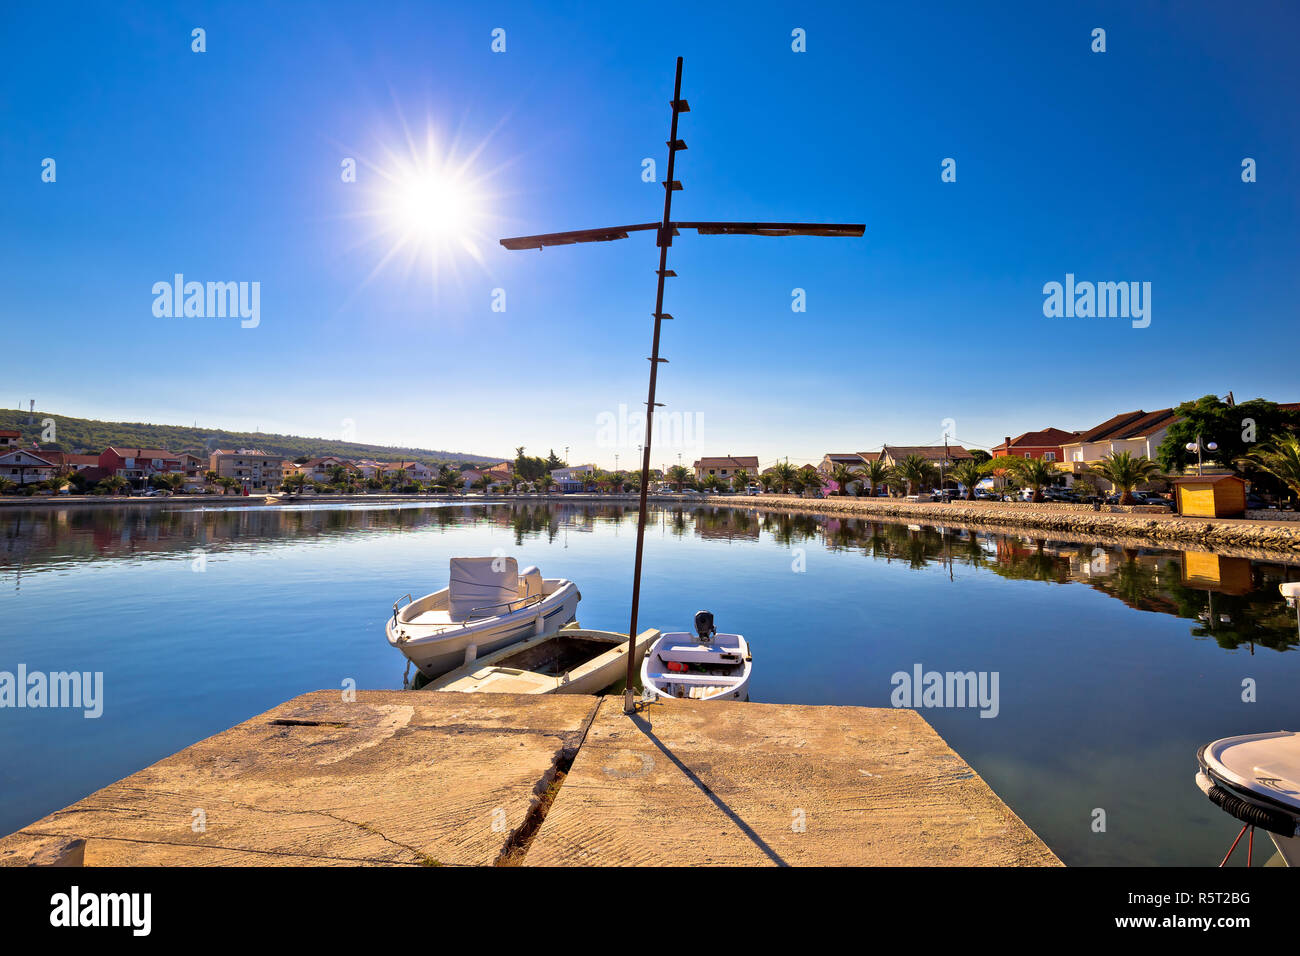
<point x="1114" y="665"/>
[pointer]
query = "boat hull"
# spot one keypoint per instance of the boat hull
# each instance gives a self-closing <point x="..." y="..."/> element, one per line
<point x="445" y="649"/>
<point x="494" y="673"/>
<point x="725" y="683"/>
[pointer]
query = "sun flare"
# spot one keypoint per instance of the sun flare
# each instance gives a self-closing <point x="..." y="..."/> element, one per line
<point x="428" y="208"/>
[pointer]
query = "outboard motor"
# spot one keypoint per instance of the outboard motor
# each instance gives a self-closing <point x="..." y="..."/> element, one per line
<point x="704" y="628"/>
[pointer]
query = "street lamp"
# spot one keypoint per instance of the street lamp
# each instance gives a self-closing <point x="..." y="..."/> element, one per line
<point x="1196" y="447"/>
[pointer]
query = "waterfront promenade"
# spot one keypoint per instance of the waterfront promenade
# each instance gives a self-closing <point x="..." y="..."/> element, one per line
<point x="416" y="778"/>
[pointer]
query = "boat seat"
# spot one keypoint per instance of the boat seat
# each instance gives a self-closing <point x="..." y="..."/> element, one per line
<point x="434" y="617"/>
<point x="485" y="585"/>
<point x="530" y="582"/>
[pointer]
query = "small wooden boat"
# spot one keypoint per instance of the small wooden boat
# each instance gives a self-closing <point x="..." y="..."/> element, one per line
<point x="1256" y="778"/>
<point x="572" y="660"/>
<point x="488" y="604"/>
<point x="705" y="665"/>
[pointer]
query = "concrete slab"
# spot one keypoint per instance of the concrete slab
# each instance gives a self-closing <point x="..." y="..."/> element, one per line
<point x="394" y="778"/>
<point x="687" y="783"/>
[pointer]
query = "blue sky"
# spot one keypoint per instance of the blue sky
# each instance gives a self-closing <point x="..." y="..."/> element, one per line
<point x="225" y="166"/>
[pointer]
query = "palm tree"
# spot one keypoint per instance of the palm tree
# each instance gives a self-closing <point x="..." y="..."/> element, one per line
<point x="875" y="473"/>
<point x="713" y="483"/>
<point x="7" y="487"/>
<point x="1037" y="473"/>
<point x="970" y="473"/>
<point x="170" y="481"/>
<point x="844" y="476"/>
<point x="115" y="483"/>
<point x="679" y="475"/>
<point x="914" y="470"/>
<point x="294" y="483"/>
<point x="767" y="480"/>
<point x="546" y="482"/>
<point x="449" y="478"/>
<point x="739" y="478"/>
<point x="784" y="475"/>
<point x="1281" y="459"/>
<point x="1125" y="472"/>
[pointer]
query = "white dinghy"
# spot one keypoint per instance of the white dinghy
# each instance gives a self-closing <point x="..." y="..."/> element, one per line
<point x="705" y="665"/>
<point x="1256" y="778"/>
<point x="572" y="660"/>
<point x="487" y="604"/>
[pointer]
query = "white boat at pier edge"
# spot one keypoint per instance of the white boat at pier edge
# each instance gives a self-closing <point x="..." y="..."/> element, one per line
<point x="488" y="604"/>
<point x="705" y="665"/>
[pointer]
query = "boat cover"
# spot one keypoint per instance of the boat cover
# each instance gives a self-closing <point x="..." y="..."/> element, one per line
<point x="486" y="583"/>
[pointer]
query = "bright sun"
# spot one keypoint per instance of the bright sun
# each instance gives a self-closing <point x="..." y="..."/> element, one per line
<point x="433" y="207"/>
<point x="427" y="207"/>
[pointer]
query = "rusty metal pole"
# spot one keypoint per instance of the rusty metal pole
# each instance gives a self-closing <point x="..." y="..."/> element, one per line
<point x="665" y="240"/>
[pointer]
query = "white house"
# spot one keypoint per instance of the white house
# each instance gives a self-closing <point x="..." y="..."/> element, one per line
<point x="569" y="478"/>
<point x="24" y="468"/>
<point x="1139" y="433"/>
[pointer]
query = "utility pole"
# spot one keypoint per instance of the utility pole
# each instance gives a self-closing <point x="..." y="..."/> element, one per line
<point x="666" y="229"/>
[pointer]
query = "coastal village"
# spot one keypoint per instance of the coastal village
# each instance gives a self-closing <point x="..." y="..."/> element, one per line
<point x="1120" y="461"/>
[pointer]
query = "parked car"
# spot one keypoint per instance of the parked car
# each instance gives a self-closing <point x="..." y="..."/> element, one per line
<point x="1255" y="503"/>
<point x="1151" y="498"/>
<point x="753" y="489"/>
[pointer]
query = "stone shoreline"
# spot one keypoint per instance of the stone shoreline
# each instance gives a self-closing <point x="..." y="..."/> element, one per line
<point x="1253" y="535"/>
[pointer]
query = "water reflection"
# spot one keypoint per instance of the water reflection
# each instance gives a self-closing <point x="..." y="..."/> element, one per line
<point x="1232" y="600"/>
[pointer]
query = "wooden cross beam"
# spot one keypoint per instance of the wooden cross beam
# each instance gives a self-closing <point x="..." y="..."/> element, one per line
<point x="666" y="229"/>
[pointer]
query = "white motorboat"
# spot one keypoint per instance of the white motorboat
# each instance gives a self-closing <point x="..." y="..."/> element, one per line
<point x="572" y="660"/>
<point x="1256" y="778"/>
<point x="488" y="604"/>
<point x="705" y="665"/>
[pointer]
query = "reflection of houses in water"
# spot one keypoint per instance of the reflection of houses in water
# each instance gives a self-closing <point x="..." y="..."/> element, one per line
<point x="727" y="524"/>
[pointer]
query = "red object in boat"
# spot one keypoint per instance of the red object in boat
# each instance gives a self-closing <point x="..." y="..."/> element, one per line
<point x="677" y="666"/>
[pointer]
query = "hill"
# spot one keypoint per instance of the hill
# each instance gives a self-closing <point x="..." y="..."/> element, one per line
<point x="89" y="436"/>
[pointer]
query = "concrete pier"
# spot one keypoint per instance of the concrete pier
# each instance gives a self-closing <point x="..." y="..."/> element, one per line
<point x="421" y="778"/>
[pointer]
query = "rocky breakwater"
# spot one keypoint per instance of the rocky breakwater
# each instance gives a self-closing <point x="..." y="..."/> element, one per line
<point x="1154" y="524"/>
